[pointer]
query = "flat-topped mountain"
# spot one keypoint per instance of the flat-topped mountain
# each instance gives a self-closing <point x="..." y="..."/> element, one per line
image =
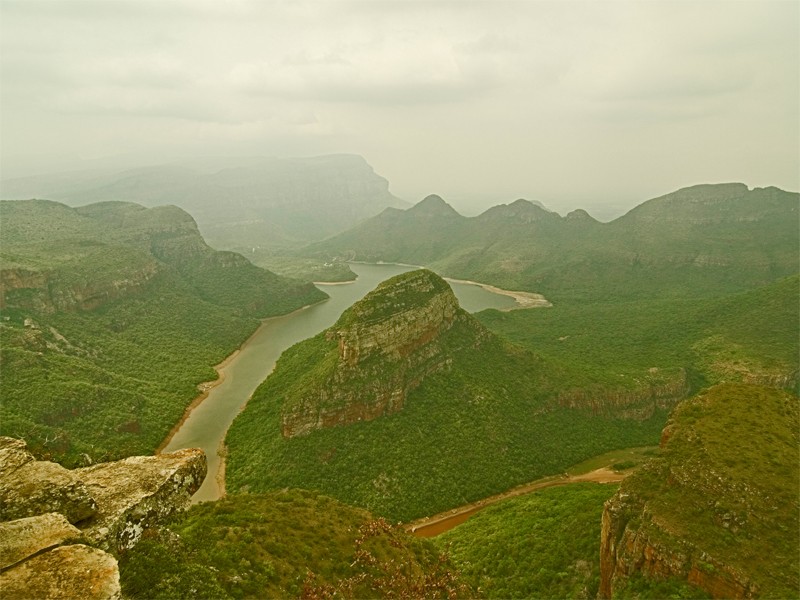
<point x="112" y="313"/>
<point x="702" y="240"/>
<point x="256" y="202"/>
<point x="60" y="258"/>
<point x="408" y="406"/>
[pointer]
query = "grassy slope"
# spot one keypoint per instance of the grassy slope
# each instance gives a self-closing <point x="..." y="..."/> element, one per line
<point x="265" y="546"/>
<point x="726" y="482"/>
<point x="111" y="381"/>
<point x="476" y="430"/>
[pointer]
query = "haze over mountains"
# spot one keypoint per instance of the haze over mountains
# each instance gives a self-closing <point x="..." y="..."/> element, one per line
<point x="112" y="313"/>
<point x="689" y="242"/>
<point x="249" y="202"/>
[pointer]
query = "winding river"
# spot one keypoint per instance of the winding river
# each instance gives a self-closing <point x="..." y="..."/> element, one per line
<point x="242" y="372"/>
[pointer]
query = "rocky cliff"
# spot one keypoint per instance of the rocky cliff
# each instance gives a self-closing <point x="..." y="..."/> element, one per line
<point x="719" y="508"/>
<point x="378" y="351"/>
<point x="660" y="388"/>
<point x="57" y="526"/>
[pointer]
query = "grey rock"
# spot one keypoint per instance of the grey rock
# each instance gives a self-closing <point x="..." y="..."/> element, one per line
<point x="138" y="492"/>
<point x="29" y="487"/>
<point x="67" y="572"/>
<point x="23" y="538"/>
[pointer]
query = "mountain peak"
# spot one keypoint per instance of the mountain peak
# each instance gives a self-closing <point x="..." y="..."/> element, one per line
<point x="433" y="205"/>
<point x="377" y="352"/>
<point x="520" y="210"/>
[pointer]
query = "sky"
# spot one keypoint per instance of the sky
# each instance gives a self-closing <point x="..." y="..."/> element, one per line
<point x="598" y="105"/>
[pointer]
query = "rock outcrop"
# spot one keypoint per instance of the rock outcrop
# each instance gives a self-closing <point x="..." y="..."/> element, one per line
<point x="48" y="511"/>
<point x="659" y="389"/>
<point x="378" y="351"/>
<point x="66" y="572"/>
<point x="137" y="492"/>
<point x="719" y="508"/>
<point x="29" y="487"/>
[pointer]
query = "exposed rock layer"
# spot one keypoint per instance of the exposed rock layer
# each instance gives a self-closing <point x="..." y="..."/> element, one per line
<point x="29" y="487"/>
<point x="719" y="508"/>
<point x="137" y="492"/>
<point x="386" y="344"/>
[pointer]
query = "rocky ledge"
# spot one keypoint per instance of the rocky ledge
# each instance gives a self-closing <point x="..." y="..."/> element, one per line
<point x="56" y="524"/>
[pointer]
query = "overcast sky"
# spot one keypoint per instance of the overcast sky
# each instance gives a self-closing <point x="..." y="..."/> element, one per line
<point x="597" y="105"/>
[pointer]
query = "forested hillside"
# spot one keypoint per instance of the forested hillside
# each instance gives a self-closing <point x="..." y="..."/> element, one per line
<point x="111" y="316"/>
<point x="408" y="407"/>
<point x="699" y="241"/>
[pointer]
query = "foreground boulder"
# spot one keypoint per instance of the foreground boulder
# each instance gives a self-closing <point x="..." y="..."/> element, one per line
<point x="29" y="487"/>
<point x="67" y="572"/>
<point x="138" y="492"/>
<point x="24" y="538"/>
<point x="47" y="512"/>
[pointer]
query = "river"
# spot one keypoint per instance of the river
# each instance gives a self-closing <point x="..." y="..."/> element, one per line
<point x="241" y="374"/>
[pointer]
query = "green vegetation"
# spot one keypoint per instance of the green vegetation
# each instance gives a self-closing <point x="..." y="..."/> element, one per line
<point x="630" y="457"/>
<point x="284" y="544"/>
<point x="304" y="269"/>
<point x="724" y="489"/>
<point x="697" y="242"/>
<point x="486" y="424"/>
<point x="112" y="314"/>
<point x="748" y="336"/>
<point x="640" y="587"/>
<point x="543" y="545"/>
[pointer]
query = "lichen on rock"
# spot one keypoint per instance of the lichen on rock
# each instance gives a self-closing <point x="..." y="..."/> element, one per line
<point x="29" y="487"/>
<point x="137" y="492"/>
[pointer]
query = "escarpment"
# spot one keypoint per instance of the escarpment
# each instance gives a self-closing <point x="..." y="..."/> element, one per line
<point x="659" y="389"/>
<point x="719" y="508"/>
<point x="378" y="351"/>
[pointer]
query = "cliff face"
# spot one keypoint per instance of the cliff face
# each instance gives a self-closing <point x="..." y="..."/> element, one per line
<point x="719" y="508"/>
<point x="49" y="514"/>
<point x="378" y="351"/>
<point x="47" y="292"/>
<point x="660" y="389"/>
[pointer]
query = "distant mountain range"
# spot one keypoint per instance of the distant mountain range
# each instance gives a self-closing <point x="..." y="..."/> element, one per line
<point x="257" y="202"/>
<point x="701" y="240"/>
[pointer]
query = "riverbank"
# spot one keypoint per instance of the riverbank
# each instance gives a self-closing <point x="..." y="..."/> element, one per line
<point x="523" y="299"/>
<point x="437" y="524"/>
<point x="222" y="369"/>
<point x="205" y="389"/>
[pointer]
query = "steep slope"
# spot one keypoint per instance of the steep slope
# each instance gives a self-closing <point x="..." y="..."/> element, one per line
<point x="285" y="544"/>
<point x="380" y="350"/>
<point x="111" y="315"/>
<point x="542" y="545"/>
<point x="408" y="406"/>
<point x="258" y="202"/>
<point x="719" y="508"/>
<point x="699" y="241"/>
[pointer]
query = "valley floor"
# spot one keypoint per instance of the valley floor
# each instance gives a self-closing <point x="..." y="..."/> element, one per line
<point x="433" y="526"/>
